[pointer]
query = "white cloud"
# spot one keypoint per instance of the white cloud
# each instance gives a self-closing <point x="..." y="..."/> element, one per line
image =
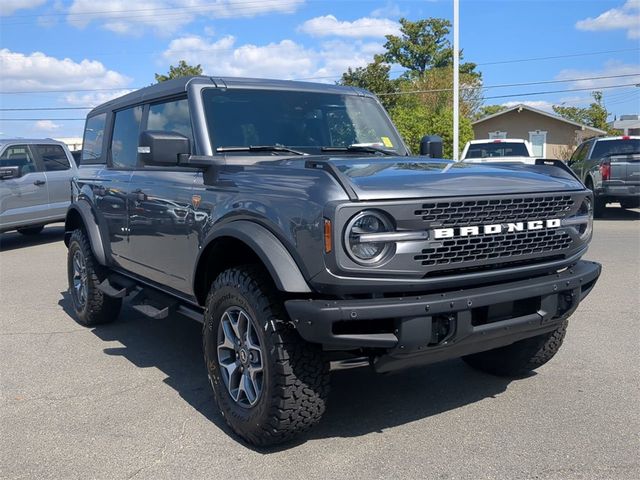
<point x="46" y="126"/>
<point x="626" y="17"/>
<point x="539" y="104"/>
<point x="330" y="26"/>
<point x="7" y="7"/>
<point x="93" y="99"/>
<point x="167" y="16"/>
<point x="285" y="59"/>
<point x="611" y="68"/>
<point x="39" y="72"/>
<point x="389" y="10"/>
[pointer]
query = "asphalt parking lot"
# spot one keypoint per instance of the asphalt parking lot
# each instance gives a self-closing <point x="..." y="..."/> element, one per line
<point x="131" y="399"/>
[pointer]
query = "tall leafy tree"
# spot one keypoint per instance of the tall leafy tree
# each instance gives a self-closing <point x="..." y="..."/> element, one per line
<point x="375" y="78"/>
<point x="422" y="45"/>
<point x="595" y="115"/>
<point x="183" y="69"/>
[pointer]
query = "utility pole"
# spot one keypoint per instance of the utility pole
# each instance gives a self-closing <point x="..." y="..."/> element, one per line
<point x="456" y="78"/>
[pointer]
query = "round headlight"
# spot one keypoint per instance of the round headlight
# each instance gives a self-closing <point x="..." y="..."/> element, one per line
<point x="361" y="248"/>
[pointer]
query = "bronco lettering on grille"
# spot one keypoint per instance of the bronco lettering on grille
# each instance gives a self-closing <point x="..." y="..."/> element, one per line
<point x="470" y="231"/>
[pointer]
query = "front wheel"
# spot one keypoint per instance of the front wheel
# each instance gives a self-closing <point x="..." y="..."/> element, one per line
<point x="90" y="305"/>
<point x="519" y="358"/>
<point x="269" y="384"/>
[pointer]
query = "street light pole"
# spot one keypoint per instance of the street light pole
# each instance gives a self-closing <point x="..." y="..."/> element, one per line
<point x="456" y="78"/>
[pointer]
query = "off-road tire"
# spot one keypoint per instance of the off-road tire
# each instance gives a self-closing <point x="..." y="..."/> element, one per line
<point x="519" y="358"/>
<point x="295" y="382"/>
<point x="30" y="230"/>
<point x="98" y="307"/>
<point x="599" y="204"/>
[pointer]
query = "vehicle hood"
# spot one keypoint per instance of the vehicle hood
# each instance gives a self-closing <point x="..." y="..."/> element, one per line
<point x="408" y="177"/>
<point x="521" y="159"/>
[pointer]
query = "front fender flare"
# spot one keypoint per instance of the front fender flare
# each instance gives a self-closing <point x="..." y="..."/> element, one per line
<point x="279" y="262"/>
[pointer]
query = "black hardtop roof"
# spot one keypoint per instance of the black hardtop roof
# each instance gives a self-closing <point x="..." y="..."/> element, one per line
<point x="180" y="85"/>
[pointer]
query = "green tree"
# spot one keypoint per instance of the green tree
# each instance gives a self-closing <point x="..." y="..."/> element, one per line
<point x="422" y="45"/>
<point x="182" y="70"/>
<point x="375" y="78"/>
<point x="595" y="115"/>
<point x="487" y="110"/>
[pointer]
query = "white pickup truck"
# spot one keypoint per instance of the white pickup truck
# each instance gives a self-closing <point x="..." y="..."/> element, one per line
<point x="498" y="150"/>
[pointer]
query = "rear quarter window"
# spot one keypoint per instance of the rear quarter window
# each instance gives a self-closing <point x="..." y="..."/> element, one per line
<point x="93" y="140"/>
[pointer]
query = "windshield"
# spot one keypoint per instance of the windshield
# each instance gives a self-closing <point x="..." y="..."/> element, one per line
<point x="619" y="146"/>
<point x="304" y="121"/>
<point x="501" y="149"/>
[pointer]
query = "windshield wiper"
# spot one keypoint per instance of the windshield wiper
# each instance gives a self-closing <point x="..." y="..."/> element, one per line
<point x="360" y="148"/>
<point x="261" y="148"/>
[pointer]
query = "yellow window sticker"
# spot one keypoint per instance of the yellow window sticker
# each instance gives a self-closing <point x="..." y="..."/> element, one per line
<point x="387" y="142"/>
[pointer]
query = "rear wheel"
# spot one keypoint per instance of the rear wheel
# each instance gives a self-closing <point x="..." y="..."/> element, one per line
<point x="599" y="204"/>
<point x="90" y="305"/>
<point x="31" y="230"/>
<point x="269" y="384"/>
<point x="519" y="358"/>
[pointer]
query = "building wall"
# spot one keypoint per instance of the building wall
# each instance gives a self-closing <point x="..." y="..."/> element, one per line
<point x="562" y="137"/>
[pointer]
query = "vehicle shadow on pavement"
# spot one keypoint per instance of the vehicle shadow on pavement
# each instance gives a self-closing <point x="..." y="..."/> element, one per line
<point x="361" y="401"/>
<point x="14" y="240"/>
<point x="617" y="213"/>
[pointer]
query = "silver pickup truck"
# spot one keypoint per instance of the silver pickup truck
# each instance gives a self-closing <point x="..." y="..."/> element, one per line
<point x="610" y="167"/>
<point x="35" y="184"/>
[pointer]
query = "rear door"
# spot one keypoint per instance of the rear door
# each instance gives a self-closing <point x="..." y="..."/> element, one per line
<point x="23" y="200"/>
<point x="58" y="170"/>
<point x="623" y="154"/>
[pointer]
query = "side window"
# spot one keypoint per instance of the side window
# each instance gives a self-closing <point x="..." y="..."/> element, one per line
<point x="124" y="144"/>
<point x="579" y="153"/>
<point x="171" y="117"/>
<point x="18" y="156"/>
<point x="53" y="157"/>
<point x="93" y="139"/>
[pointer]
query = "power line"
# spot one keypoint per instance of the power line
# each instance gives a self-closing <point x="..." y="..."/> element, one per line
<point x="504" y="85"/>
<point x="499" y="62"/>
<point x="486" y="98"/>
<point x="561" y="91"/>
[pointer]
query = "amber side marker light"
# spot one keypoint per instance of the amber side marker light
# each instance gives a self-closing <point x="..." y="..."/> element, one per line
<point x="327" y="236"/>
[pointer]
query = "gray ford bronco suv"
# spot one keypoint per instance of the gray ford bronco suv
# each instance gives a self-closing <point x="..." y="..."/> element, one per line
<point x="293" y="222"/>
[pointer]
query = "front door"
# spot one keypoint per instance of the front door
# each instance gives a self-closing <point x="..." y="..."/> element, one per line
<point x="23" y="200"/>
<point x="58" y="171"/>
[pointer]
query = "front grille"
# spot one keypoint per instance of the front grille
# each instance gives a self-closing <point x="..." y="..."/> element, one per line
<point x="494" y="247"/>
<point x="491" y="211"/>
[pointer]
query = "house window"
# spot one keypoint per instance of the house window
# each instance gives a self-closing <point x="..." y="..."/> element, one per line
<point x="538" y="141"/>
<point x="497" y="134"/>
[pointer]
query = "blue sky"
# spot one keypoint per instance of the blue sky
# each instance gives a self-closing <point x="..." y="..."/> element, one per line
<point x="82" y="52"/>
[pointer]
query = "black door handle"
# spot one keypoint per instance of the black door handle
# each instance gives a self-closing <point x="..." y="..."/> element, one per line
<point x="39" y="182"/>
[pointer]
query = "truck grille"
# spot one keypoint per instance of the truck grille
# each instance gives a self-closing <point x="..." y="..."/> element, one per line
<point x="477" y="212"/>
<point x="488" y="247"/>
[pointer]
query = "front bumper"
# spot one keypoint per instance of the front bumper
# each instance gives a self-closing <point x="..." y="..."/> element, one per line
<point x="477" y="319"/>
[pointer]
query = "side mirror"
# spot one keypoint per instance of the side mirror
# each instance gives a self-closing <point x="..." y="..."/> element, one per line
<point x="7" y="173"/>
<point x="162" y="148"/>
<point x="431" y="146"/>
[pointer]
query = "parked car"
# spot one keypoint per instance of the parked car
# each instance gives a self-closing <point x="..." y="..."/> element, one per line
<point x="498" y="150"/>
<point x="35" y="184"/>
<point x="310" y="234"/>
<point x="610" y="167"/>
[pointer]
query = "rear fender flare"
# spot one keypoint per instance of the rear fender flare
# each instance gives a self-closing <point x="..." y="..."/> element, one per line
<point x="91" y="227"/>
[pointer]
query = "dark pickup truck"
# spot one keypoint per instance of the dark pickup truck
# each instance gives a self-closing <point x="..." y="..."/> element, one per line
<point x="610" y="167"/>
<point x="292" y="221"/>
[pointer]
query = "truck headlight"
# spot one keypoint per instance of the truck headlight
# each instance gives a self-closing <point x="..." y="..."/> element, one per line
<point x="364" y="237"/>
<point x="582" y="221"/>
